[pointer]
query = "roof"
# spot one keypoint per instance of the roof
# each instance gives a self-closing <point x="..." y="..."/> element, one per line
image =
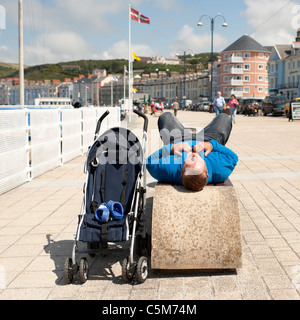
<point x="246" y="43"/>
<point x="283" y="50"/>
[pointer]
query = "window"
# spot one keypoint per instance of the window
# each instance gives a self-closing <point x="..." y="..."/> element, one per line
<point x="247" y="67"/>
<point x="247" y="78"/>
<point x="246" y="89"/>
<point x="225" y="67"/>
<point x="261" y="67"/>
<point x="247" y="55"/>
<point x="225" y="90"/>
<point x="260" y="89"/>
<point x="260" y="78"/>
<point x="225" y="56"/>
<point x="261" y="55"/>
<point x="239" y="54"/>
<point x="225" y="79"/>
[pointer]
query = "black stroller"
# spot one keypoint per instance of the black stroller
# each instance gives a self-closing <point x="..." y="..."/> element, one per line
<point x="115" y="168"/>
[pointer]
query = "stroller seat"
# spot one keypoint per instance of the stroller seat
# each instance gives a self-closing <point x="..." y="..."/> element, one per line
<point x="113" y="168"/>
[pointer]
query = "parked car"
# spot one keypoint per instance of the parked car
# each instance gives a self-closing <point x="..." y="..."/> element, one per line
<point x="274" y="105"/>
<point x="287" y="106"/>
<point x="205" y="106"/>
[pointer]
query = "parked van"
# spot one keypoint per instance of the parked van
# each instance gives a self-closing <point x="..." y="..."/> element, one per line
<point x="288" y="106"/>
<point x="274" y="105"/>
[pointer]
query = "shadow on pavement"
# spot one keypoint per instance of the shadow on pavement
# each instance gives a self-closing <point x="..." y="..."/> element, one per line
<point x="101" y="267"/>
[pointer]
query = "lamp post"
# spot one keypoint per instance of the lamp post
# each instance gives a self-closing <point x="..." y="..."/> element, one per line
<point x="184" y="74"/>
<point x="224" y="25"/>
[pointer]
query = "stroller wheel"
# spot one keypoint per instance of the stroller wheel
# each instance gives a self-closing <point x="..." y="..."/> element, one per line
<point x="68" y="271"/>
<point x="127" y="270"/>
<point x="83" y="270"/>
<point x="142" y="270"/>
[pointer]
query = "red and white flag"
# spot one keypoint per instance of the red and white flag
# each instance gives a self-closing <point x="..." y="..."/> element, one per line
<point x="138" y="17"/>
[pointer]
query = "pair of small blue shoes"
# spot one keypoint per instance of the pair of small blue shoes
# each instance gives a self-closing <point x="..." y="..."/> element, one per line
<point x="113" y="210"/>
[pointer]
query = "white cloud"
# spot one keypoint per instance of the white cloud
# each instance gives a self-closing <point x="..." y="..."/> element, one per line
<point x="55" y="47"/>
<point x="271" y="21"/>
<point x="93" y="16"/>
<point x="197" y="41"/>
<point x="8" y="55"/>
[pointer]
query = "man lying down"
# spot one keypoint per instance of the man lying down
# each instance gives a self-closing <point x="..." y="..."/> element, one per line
<point x="193" y="160"/>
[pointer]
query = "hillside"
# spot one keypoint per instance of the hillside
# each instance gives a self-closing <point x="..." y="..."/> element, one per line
<point x="57" y="71"/>
<point x="6" y="69"/>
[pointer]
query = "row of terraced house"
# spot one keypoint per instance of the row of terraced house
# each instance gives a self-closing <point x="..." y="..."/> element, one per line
<point x="246" y="68"/>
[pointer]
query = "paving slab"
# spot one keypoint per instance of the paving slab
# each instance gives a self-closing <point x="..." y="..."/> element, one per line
<point x="38" y="221"/>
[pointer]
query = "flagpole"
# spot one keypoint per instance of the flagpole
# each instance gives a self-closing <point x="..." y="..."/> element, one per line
<point x="21" y="54"/>
<point x="130" y="77"/>
<point x="124" y="83"/>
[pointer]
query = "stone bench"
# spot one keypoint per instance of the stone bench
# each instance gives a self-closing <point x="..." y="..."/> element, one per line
<point x="196" y="230"/>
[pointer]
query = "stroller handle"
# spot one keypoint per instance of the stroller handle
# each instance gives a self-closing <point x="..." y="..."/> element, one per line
<point x="100" y="122"/>
<point x="139" y="113"/>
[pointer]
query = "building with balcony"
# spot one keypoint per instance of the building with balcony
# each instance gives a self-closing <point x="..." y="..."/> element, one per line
<point x="244" y="70"/>
<point x="284" y="69"/>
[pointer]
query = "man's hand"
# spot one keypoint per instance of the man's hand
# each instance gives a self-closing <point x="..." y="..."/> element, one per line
<point x="206" y="146"/>
<point x="178" y="148"/>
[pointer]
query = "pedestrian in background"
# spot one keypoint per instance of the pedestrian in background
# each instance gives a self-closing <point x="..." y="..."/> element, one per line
<point x="233" y="104"/>
<point x="219" y="103"/>
<point x="175" y="108"/>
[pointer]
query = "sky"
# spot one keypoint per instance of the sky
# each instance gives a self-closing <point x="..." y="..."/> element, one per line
<point x="67" y="30"/>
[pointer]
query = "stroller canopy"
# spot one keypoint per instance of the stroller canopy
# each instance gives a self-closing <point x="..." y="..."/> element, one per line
<point x="116" y="146"/>
<point x="114" y="163"/>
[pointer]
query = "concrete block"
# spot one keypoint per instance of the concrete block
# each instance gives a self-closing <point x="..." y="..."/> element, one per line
<point x="196" y="230"/>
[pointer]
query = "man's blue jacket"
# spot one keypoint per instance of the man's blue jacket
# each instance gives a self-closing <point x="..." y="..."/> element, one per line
<point x="166" y="167"/>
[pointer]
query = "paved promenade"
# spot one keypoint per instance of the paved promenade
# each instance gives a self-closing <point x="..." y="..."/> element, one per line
<point x="39" y="219"/>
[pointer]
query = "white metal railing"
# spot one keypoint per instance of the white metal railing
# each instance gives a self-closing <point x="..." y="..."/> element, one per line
<point x="235" y="71"/>
<point x="238" y="94"/>
<point x="235" y="82"/>
<point x="33" y="142"/>
<point x="235" y="59"/>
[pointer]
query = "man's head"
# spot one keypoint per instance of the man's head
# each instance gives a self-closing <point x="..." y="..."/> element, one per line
<point x="219" y="94"/>
<point x="194" y="173"/>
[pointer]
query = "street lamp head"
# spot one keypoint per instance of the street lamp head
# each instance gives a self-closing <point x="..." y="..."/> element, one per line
<point x="224" y="25"/>
<point x="200" y="24"/>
